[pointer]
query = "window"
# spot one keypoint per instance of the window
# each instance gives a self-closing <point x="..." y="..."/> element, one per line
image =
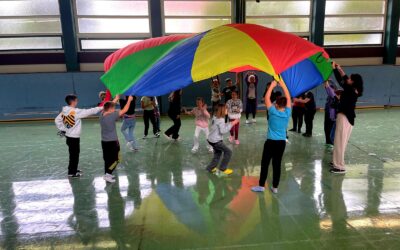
<point x="289" y="16"/>
<point x="109" y="24"/>
<point x="195" y="16"/>
<point x="30" y="25"/>
<point x="354" y="22"/>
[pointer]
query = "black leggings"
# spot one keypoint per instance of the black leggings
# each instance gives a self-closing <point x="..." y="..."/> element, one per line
<point x="328" y="125"/>
<point x="297" y="117"/>
<point x="74" y="150"/>
<point x="251" y="107"/>
<point x="110" y="155"/>
<point x="174" y="129"/>
<point x="148" y="115"/>
<point x="272" y="150"/>
<point x="309" y="120"/>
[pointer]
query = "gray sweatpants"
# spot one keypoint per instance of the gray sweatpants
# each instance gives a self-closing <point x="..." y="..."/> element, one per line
<point x="220" y="148"/>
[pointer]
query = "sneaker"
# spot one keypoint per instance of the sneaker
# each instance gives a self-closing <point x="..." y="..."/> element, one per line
<point x="248" y="122"/>
<point x="306" y="135"/>
<point x="157" y="135"/>
<point x="77" y="175"/>
<point x="167" y="137"/>
<point x="227" y="171"/>
<point x="129" y="145"/>
<point x="210" y="149"/>
<point x="237" y="142"/>
<point x="194" y="150"/>
<point x="258" y="189"/>
<point x="212" y="171"/>
<point x="79" y="171"/>
<point x="109" y="178"/>
<point x="230" y="139"/>
<point x="292" y="130"/>
<point x="254" y="120"/>
<point x="337" y="171"/>
<point x="274" y="190"/>
<point x="145" y="137"/>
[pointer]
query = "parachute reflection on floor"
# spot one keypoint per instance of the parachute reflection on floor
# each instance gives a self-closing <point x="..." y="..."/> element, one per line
<point x="165" y="200"/>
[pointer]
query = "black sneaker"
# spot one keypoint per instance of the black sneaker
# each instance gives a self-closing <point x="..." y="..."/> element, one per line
<point x="79" y="171"/>
<point x="292" y="130"/>
<point x="337" y="171"/>
<point x="77" y="175"/>
<point x="306" y="135"/>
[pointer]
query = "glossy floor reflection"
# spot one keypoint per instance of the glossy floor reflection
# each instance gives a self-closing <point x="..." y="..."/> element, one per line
<point x="165" y="200"/>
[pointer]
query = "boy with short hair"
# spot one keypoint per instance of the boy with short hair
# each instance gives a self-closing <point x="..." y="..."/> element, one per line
<point x="109" y="137"/>
<point x="69" y="124"/>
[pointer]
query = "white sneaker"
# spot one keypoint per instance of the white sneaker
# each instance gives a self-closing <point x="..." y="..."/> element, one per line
<point x="144" y="137"/>
<point x="248" y="122"/>
<point x="109" y="178"/>
<point x="254" y="120"/>
<point x="274" y="190"/>
<point x="210" y="149"/>
<point x="129" y="145"/>
<point x="258" y="189"/>
<point x="194" y="150"/>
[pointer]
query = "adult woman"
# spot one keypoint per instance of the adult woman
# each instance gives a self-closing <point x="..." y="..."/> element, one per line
<point x="352" y="89"/>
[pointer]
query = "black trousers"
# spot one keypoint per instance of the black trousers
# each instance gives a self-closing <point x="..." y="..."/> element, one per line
<point x="148" y="115"/>
<point x="74" y="150"/>
<point x="297" y="117"/>
<point x="328" y="125"/>
<point x="272" y="150"/>
<point x="174" y="129"/>
<point x="251" y="107"/>
<point x="110" y="155"/>
<point x="309" y="120"/>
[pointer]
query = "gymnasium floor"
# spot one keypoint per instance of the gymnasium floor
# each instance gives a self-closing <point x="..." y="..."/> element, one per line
<point x="165" y="200"/>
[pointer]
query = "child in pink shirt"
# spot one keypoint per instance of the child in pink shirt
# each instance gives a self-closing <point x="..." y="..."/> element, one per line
<point x="201" y="119"/>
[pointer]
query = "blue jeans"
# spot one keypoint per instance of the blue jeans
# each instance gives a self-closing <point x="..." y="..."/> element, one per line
<point x="128" y="126"/>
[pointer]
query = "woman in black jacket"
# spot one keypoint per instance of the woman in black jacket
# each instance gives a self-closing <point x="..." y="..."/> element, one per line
<point x="352" y="89"/>
<point x="174" y="112"/>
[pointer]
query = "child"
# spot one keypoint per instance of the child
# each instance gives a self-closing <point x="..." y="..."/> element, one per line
<point x="174" y="113"/>
<point x="251" y="96"/>
<point x="215" y="94"/>
<point x="109" y="137"/>
<point x="69" y="123"/>
<point x="275" y="144"/>
<point x="234" y="108"/>
<point x="202" y="117"/>
<point x="148" y="106"/>
<point x="129" y="123"/>
<point x="298" y="113"/>
<point x="157" y="115"/>
<point x="215" y="139"/>
<point x="330" y="112"/>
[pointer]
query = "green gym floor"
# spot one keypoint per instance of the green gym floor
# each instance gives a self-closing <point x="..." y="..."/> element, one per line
<point x="165" y="200"/>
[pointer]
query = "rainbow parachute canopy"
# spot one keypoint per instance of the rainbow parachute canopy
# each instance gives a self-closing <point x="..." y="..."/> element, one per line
<point x="158" y="66"/>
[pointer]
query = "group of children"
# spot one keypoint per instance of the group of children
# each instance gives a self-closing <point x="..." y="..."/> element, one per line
<point x="225" y="117"/>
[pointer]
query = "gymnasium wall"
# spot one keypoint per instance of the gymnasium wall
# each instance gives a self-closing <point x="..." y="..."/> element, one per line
<point x="40" y="95"/>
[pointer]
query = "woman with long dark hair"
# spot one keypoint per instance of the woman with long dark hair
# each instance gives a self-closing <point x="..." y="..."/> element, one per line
<point x="352" y="89"/>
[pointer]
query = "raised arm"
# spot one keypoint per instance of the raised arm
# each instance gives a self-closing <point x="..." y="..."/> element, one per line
<point x="329" y="90"/>
<point x="267" y="97"/>
<point x="127" y="105"/>
<point x="287" y="95"/>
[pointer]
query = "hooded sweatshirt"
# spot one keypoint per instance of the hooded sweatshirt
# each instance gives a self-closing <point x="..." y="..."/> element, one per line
<point x="218" y="129"/>
<point x="69" y="120"/>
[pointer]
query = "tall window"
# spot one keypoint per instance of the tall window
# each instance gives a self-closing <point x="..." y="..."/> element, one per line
<point x="109" y="24"/>
<point x="30" y="25"/>
<point x="194" y="16"/>
<point x="289" y="16"/>
<point x="354" y="22"/>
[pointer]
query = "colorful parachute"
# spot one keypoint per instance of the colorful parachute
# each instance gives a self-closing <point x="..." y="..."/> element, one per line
<point x="158" y="66"/>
